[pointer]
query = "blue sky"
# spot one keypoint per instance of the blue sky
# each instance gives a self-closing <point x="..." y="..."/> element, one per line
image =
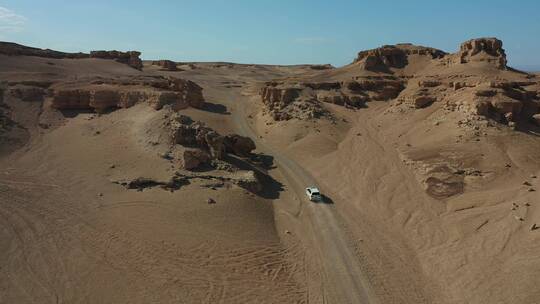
<point x="277" y="32"/>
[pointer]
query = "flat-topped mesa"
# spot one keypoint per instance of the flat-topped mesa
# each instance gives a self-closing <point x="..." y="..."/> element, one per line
<point x="130" y="58"/>
<point x="393" y="56"/>
<point x="487" y="50"/>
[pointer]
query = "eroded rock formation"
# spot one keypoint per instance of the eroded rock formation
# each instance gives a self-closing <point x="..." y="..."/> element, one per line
<point x="393" y="56"/>
<point x="239" y="145"/>
<point x="130" y="58"/>
<point x="284" y="101"/>
<point x="203" y="143"/>
<point x="14" y="49"/>
<point x="404" y="73"/>
<point x="166" y="65"/>
<point x="303" y="100"/>
<point x="27" y="93"/>
<point x="103" y="94"/>
<point x="483" y="50"/>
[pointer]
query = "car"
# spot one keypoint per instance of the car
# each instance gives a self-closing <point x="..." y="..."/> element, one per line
<point x="314" y="194"/>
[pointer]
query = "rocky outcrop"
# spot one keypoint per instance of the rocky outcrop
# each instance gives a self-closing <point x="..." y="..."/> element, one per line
<point x="193" y="158"/>
<point x="339" y="98"/>
<point x="278" y="98"/>
<point x="420" y="93"/>
<point x="71" y="99"/>
<point x="487" y="50"/>
<point x="27" y="93"/>
<point x="190" y="92"/>
<point x="215" y="144"/>
<point x="104" y="94"/>
<point x="130" y="58"/>
<point x="393" y="56"/>
<point x="506" y="102"/>
<point x="376" y="88"/>
<point x="239" y="145"/>
<point x="14" y="49"/>
<point x="321" y="66"/>
<point x="322" y="85"/>
<point x="423" y="101"/>
<point x="302" y="100"/>
<point x="196" y="135"/>
<point x="247" y="180"/>
<point x="284" y="101"/>
<point x="103" y="98"/>
<point x="166" y="65"/>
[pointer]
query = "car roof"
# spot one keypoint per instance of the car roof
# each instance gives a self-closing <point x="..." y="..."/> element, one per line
<point x="313" y="189"/>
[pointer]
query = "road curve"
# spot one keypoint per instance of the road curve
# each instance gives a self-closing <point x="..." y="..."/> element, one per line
<point x="344" y="281"/>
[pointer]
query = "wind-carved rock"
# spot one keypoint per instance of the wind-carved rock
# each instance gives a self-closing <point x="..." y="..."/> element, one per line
<point x="483" y="50"/>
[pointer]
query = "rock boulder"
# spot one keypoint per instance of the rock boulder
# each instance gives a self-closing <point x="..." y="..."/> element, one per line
<point x="239" y="145"/>
<point x="193" y="158"/>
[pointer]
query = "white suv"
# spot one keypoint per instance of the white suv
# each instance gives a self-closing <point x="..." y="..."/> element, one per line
<point x="313" y="194"/>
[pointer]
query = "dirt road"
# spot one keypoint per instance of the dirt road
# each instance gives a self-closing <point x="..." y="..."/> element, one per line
<point x="343" y="278"/>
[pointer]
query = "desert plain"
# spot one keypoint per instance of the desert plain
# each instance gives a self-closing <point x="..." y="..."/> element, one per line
<point x="152" y="181"/>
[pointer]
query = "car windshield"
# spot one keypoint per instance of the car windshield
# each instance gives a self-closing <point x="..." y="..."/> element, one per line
<point x="315" y="193"/>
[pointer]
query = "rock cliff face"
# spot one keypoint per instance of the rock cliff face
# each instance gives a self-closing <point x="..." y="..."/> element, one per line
<point x="284" y="101"/>
<point x="404" y="73"/>
<point x="303" y="100"/>
<point x="103" y="94"/>
<point x="130" y="58"/>
<point x="393" y="56"/>
<point x="27" y="93"/>
<point x="503" y="101"/>
<point x="483" y="50"/>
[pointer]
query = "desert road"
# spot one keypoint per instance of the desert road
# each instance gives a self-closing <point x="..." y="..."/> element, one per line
<point x="343" y="278"/>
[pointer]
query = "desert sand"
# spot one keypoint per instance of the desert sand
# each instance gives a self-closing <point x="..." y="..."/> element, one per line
<point x="130" y="181"/>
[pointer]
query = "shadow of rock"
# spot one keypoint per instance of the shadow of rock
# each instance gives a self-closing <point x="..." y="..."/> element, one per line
<point x="529" y="128"/>
<point x="69" y="113"/>
<point x="263" y="160"/>
<point x="215" y="108"/>
<point x="271" y="188"/>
